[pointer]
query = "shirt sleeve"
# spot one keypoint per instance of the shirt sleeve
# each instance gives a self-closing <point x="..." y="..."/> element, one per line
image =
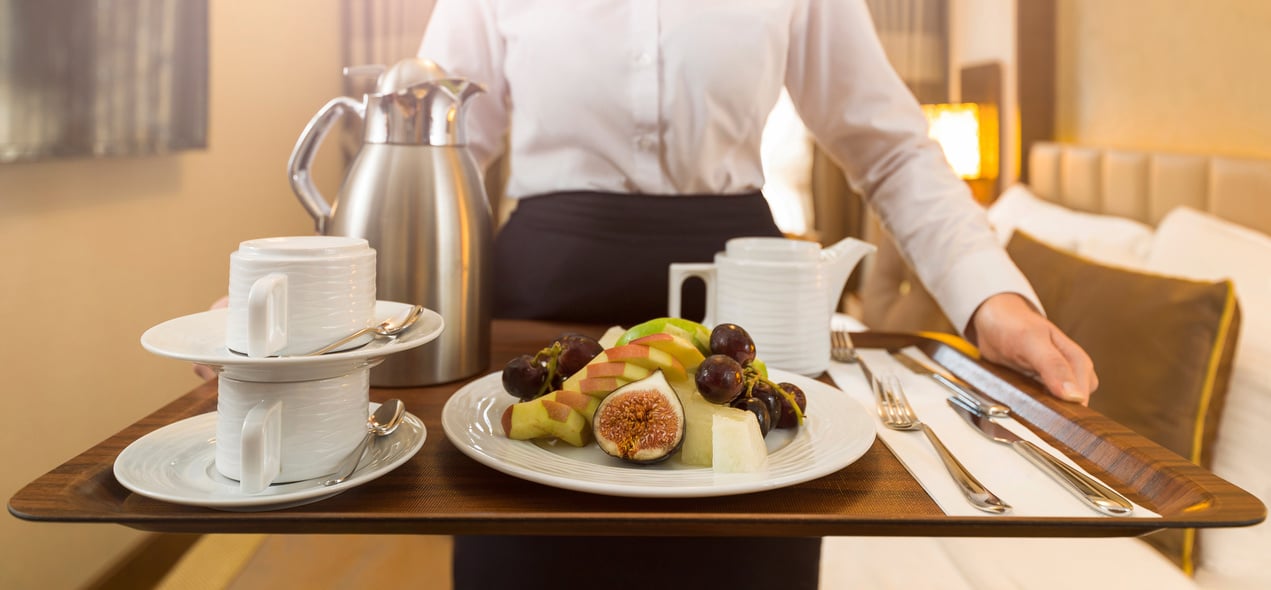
<point x="463" y="38"/>
<point x="862" y="114"/>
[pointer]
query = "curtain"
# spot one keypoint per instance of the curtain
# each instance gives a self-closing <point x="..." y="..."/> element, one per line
<point x="915" y="36"/>
<point x="102" y="78"/>
<point x="383" y="31"/>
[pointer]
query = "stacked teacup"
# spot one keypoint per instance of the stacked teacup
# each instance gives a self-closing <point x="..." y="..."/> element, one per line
<point x="290" y="296"/>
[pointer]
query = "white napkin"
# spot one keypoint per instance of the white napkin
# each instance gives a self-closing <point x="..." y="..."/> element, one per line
<point x="1001" y="469"/>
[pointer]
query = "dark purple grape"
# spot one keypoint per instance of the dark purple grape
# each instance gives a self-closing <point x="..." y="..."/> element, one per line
<point x="524" y="376"/>
<point x="734" y="341"/>
<point x="759" y="409"/>
<point x="718" y="379"/>
<point x="765" y="392"/>
<point x="788" y="418"/>
<point x="576" y="350"/>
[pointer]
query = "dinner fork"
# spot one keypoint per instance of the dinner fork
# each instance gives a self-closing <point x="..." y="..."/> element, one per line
<point x="841" y="348"/>
<point x="896" y="413"/>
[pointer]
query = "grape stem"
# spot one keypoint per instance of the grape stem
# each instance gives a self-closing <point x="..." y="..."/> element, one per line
<point x="552" y="353"/>
<point x="752" y="377"/>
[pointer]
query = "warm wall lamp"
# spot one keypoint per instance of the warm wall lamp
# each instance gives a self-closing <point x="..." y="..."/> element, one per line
<point x="967" y="132"/>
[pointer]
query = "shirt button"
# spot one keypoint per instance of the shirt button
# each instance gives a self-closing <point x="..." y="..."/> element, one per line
<point x="644" y="58"/>
<point x="644" y="142"/>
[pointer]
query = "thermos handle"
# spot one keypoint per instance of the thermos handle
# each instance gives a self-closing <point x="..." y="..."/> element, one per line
<point x="307" y="146"/>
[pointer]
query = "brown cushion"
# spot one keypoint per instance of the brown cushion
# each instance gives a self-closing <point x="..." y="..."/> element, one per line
<point x="1162" y="347"/>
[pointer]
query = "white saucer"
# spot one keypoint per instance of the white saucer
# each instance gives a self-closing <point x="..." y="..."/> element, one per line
<point x="176" y="463"/>
<point x="200" y="338"/>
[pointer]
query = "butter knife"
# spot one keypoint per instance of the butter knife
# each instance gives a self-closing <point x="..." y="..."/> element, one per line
<point x="1087" y="489"/>
<point x="955" y="384"/>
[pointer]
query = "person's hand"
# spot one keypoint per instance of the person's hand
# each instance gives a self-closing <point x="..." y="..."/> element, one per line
<point x="1009" y="331"/>
<point x="203" y="371"/>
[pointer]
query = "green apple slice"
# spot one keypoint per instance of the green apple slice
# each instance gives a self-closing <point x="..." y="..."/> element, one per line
<point x="690" y="330"/>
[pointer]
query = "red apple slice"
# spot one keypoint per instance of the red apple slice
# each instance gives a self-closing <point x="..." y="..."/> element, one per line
<point x="677" y="346"/>
<point x="599" y="387"/>
<point x="545" y="418"/>
<point x="645" y="356"/>
<point x="583" y="404"/>
<point x="596" y="370"/>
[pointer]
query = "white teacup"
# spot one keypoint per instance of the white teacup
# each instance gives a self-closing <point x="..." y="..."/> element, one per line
<point x="269" y="433"/>
<point x="294" y="295"/>
<point x="783" y="292"/>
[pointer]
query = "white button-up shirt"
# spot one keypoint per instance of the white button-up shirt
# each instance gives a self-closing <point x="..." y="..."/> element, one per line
<point x="670" y="97"/>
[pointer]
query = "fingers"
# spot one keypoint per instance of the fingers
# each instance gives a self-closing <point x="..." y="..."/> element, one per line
<point x="1012" y="333"/>
<point x="204" y="372"/>
<point x="1055" y="367"/>
<point x="1082" y="367"/>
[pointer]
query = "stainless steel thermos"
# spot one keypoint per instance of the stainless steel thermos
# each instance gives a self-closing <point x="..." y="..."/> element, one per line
<point x="415" y="193"/>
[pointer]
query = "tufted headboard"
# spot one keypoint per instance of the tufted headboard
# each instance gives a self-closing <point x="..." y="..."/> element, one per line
<point x="1145" y="185"/>
<point x="1141" y="185"/>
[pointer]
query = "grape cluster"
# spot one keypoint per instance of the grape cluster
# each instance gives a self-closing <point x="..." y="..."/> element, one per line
<point x="529" y="376"/>
<point x="731" y="376"/>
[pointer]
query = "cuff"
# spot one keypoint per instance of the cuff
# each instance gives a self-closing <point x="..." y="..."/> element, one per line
<point x="976" y="277"/>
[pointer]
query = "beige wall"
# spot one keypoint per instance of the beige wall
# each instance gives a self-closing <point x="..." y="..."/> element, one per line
<point x="1166" y="74"/>
<point x="94" y="252"/>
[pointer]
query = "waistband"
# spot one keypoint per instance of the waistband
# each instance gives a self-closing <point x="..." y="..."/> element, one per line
<point x="652" y="214"/>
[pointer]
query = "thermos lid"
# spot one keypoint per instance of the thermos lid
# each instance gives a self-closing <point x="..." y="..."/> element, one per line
<point x="403" y="74"/>
<point x="409" y="72"/>
<point x="415" y="103"/>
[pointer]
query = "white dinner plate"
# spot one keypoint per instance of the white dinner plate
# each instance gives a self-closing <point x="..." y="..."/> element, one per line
<point x="176" y="463"/>
<point x="837" y="432"/>
<point x="200" y="338"/>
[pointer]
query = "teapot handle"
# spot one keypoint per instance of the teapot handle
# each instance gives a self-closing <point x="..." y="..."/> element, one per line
<point x="307" y="146"/>
<point x="682" y="271"/>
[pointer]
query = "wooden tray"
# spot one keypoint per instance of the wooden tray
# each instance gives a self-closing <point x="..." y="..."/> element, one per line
<point x="442" y="491"/>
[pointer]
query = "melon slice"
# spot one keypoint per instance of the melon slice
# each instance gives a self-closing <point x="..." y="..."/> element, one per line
<point x="737" y="443"/>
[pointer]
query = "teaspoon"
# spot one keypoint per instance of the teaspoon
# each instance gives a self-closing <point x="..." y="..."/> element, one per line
<point x="381" y="423"/>
<point x="388" y="327"/>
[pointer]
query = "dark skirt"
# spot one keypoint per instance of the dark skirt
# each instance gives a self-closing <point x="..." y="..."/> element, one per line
<point x="602" y="258"/>
<point x="636" y="563"/>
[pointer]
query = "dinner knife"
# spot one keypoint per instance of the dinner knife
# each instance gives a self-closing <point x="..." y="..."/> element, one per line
<point x="1087" y="489"/>
<point x="955" y="384"/>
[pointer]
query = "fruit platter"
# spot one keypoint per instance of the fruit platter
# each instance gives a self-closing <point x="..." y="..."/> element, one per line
<point x="666" y="408"/>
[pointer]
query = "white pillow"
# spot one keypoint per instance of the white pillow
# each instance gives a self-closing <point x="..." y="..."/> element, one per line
<point x="1197" y="245"/>
<point x="1104" y="238"/>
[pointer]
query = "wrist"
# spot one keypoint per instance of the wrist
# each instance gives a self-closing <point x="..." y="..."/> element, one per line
<point x="992" y="309"/>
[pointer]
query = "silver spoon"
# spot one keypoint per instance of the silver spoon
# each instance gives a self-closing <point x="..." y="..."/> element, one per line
<point x="388" y="327"/>
<point x="382" y="423"/>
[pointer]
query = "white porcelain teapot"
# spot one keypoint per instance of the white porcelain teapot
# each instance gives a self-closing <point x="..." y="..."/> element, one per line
<point x="782" y="291"/>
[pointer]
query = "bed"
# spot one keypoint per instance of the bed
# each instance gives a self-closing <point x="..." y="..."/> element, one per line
<point x="1196" y="222"/>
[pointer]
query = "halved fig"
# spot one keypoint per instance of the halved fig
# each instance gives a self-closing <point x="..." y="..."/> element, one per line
<point x="640" y="422"/>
